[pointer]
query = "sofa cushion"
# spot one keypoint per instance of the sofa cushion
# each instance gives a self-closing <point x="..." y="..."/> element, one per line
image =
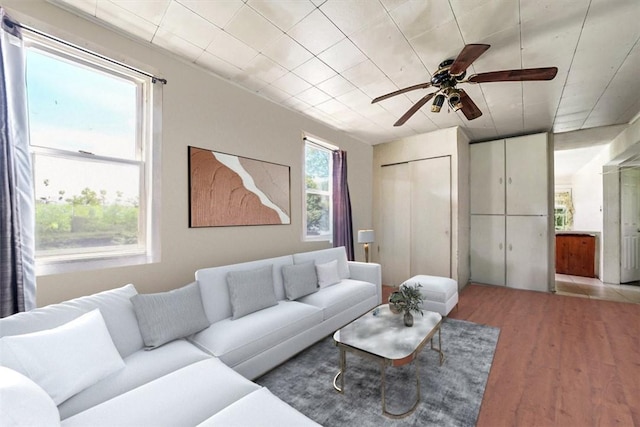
<point x="338" y="298"/>
<point x="325" y="255"/>
<point x="114" y="305"/>
<point x="167" y="316"/>
<point x="235" y="341"/>
<point x="141" y="368"/>
<point x="215" y="291"/>
<point x="185" y="397"/>
<point x="299" y="280"/>
<point x="64" y="360"/>
<point x="328" y="273"/>
<point x="25" y="403"/>
<point x="258" y="409"/>
<point x="251" y="290"/>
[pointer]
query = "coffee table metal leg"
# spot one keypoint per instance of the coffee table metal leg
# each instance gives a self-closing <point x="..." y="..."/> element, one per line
<point x="340" y="374"/>
<point x="383" y="388"/>
<point x="439" y="349"/>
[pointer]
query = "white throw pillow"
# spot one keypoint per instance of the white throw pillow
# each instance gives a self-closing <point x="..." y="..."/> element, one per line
<point x="328" y="274"/>
<point x="64" y="360"/>
<point x="24" y="403"/>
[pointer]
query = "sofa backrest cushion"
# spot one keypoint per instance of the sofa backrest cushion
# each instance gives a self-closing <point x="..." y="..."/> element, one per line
<point x="251" y="290"/>
<point x="215" y="290"/>
<point x="167" y="316"/>
<point x="299" y="280"/>
<point x="114" y="304"/>
<point x="324" y="256"/>
<point x="64" y="360"/>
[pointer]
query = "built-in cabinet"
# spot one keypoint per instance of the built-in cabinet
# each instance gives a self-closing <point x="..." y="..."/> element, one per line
<point x="510" y="212"/>
<point x="415" y="219"/>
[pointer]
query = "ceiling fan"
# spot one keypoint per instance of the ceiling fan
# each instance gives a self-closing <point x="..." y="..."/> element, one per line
<point x="452" y="72"/>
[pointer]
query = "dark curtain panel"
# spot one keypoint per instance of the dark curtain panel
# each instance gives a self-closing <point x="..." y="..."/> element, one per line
<point x="17" y="275"/>
<point x="342" y="227"/>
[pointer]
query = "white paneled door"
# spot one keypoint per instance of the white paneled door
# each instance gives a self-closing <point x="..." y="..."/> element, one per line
<point x="526" y="175"/>
<point x="415" y="219"/>
<point x="630" y="225"/>
<point x="431" y="217"/>
<point x="395" y="223"/>
<point x="527" y="253"/>
<point x="487" y="178"/>
<point x="487" y="249"/>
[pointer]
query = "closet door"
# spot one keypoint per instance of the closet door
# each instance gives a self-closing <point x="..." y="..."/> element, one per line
<point x="527" y="253"/>
<point x="430" y="204"/>
<point x="395" y="222"/>
<point x="487" y="178"/>
<point x="526" y="175"/>
<point x="488" y="249"/>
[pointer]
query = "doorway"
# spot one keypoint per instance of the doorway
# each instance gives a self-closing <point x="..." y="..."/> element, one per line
<point x="629" y="224"/>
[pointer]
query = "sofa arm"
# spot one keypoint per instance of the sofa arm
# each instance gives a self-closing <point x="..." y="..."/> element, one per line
<point x="367" y="272"/>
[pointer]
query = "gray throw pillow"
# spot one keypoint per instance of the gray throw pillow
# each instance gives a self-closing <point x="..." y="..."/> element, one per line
<point x="251" y="290"/>
<point x="167" y="316"/>
<point x="299" y="280"/>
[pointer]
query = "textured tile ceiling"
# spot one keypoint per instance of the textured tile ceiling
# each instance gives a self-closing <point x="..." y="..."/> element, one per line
<point x="328" y="58"/>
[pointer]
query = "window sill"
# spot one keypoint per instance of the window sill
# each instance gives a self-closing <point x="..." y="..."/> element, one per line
<point x="45" y="268"/>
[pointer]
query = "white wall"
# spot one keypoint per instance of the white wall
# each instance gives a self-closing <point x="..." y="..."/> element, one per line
<point x="208" y="112"/>
<point x="587" y="194"/>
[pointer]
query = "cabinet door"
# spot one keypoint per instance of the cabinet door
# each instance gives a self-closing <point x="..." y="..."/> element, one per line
<point x="527" y="253"/>
<point x="395" y="221"/>
<point x="430" y="203"/>
<point x="527" y="175"/>
<point x="487" y="249"/>
<point x="487" y="178"/>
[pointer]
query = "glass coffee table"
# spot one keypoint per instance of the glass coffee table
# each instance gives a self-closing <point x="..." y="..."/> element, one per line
<point x="382" y="336"/>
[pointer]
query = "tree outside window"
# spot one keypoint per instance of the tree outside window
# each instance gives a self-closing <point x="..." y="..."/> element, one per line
<point x="318" y="192"/>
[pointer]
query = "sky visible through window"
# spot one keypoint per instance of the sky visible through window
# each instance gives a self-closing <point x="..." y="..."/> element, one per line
<point x="78" y="108"/>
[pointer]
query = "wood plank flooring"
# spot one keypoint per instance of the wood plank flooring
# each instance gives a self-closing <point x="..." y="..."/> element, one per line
<point x="560" y="360"/>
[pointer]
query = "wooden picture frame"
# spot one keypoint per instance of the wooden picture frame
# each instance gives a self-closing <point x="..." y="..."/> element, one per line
<point x="229" y="190"/>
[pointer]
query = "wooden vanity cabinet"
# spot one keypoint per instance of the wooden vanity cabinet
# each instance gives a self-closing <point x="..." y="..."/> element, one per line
<point x="575" y="254"/>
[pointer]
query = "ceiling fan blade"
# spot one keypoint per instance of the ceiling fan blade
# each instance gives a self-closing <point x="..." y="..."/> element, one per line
<point x="401" y="91"/>
<point x="527" y="74"/>
<point x="469" y="108"/>
<point x="415" y="108"/>
<point x="469" y="53"/>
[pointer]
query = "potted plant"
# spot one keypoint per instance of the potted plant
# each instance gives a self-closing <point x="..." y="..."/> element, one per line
<point x="406" y="300"/>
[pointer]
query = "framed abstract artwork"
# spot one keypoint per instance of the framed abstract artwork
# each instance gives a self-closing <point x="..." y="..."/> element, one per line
<point x="227" y="190"/>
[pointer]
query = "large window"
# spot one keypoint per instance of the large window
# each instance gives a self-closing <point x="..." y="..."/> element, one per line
<point x="318" y="191"/>
<point x="91" y="126"/>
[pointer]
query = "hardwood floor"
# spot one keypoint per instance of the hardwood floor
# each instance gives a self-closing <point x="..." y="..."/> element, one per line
<point x="560" y="360"/>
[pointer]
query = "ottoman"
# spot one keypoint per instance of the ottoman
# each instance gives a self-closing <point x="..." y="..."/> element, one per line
<point x="440" y="293"/>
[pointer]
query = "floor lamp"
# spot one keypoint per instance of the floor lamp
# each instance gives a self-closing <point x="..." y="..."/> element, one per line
<point x="366" y="237"/>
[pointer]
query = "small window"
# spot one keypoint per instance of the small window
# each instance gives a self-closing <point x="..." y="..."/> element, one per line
<point x="318" y="177"/>
<point x="563" y="212"/>
<point x="90" y="125"/>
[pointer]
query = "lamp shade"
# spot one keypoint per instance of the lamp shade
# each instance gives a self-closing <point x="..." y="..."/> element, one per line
<point x="366" y="236"/>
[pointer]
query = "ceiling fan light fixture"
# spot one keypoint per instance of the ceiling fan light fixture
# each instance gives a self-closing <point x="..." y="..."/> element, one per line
<point x="455" y="100"/>
<point x="437" y="103"/>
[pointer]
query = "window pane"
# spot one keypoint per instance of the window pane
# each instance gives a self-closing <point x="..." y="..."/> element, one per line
<point x="317" y="168"/>
<point x="74" y="107"/>
<point x="318" y="220"/>
<point x="86" y="205"/>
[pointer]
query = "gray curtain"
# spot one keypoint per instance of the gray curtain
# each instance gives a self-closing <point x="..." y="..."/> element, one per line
<point x="17" y="217"/>
<point x="342" y="223"/>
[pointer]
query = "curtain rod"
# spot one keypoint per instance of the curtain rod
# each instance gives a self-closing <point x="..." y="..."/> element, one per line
<point x="10" y="23"/>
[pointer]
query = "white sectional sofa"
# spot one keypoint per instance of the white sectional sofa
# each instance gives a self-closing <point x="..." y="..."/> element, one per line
<point x="179" y="358"/>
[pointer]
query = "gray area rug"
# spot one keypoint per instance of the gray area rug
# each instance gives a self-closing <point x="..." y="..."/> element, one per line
<point x="451" y="394"/>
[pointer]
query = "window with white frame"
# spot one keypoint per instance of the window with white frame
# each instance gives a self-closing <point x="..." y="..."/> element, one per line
<point x="318" y="191"/>
<point x="91" y="126"/>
